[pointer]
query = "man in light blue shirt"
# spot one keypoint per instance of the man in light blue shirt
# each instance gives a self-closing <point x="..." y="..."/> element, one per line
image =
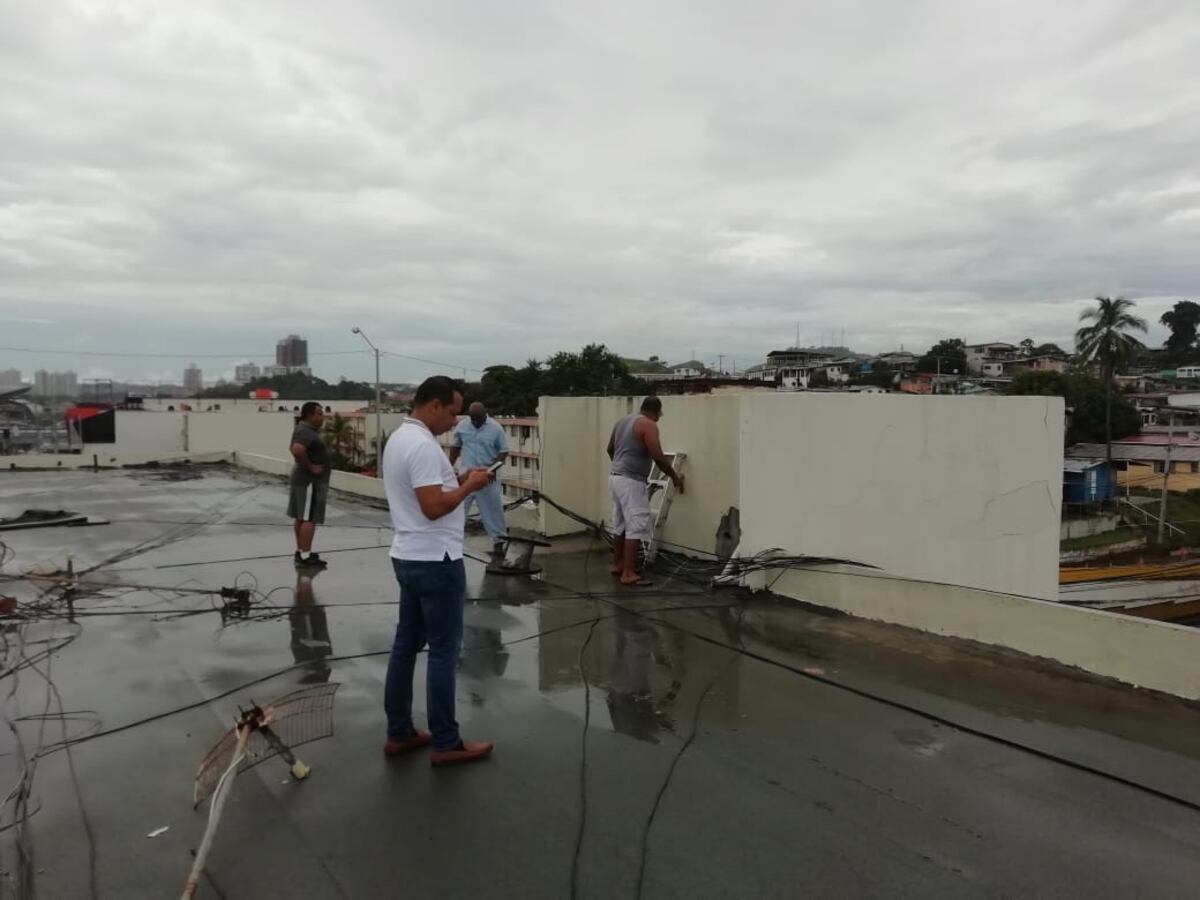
<point x="481" y="441"/>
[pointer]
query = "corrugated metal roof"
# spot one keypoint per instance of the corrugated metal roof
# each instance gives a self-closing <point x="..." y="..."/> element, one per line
<point x="1081" y="465"/>
<point x="1135" y="452"/>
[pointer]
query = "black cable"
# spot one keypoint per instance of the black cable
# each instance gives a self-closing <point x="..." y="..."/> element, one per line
<point x="653" y="814"/>
<point x="939" y="719"/>
<point x="84" y="818"/>
<point x="54" y="748"/>
<point x="914" y="710"/>
<point x="209" y="562"/>
<point x="129" y="355"/>
<point x="644" y="849"/>
<point x="583" y="764"/>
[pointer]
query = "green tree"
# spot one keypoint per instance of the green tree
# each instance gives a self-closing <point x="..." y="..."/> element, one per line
<point x="1106" y="342"/>
<point x="1184" y="320"/>
<point x="1049" y="350"/>
<point x="952" y="354"/>
<point x="508" y="391"/>
<point x="296" y="386"/>
<point x="1028" y="347"/>
<point x="1087" y="402"/>
<point x="881" y="375"/>
<point x="595" y="371"/>
<point x="342" y="440"/>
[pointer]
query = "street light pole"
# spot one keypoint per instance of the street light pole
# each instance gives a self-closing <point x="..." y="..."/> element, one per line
<point x="1162" y="502"/>
<point x="378" y="405"/>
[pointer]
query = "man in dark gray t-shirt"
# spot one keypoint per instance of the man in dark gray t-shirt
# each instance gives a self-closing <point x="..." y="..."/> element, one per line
<point x="309" y="482"/>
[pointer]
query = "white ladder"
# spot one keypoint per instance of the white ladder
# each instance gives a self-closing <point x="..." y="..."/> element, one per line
<point x="662" y="492"/>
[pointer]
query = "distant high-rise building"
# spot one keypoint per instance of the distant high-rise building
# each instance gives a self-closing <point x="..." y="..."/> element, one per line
<point x="10" y="378"/>
<point x="292" y="352"/>
<point x="193" y="380"/>
<point x="247" y="372"/>
<point x="55" y="384"/>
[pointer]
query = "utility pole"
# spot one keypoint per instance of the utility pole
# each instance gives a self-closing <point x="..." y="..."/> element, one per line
<point x="1162" y="503"/>
<point x="378" y="406"/>
<point x="720" y="363"/>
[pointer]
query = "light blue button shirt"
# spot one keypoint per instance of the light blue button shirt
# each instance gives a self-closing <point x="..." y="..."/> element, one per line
<point x="480" y="446"/>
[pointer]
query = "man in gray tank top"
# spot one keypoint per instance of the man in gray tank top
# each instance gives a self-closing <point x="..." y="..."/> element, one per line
<point x="633" y="447"/>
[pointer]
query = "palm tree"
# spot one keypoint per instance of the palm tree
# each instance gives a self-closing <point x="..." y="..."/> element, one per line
<point x="1106" y="342"/>
<point x="339" y="433"/>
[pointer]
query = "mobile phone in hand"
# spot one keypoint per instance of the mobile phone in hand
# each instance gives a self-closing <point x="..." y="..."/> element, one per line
<point x="495" y="467"/>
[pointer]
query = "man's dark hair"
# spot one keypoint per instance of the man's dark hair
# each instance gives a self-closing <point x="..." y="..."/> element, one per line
<point x="652" y="405"/>
<point x="309" y="408"/>
<point x="439" y="388"/>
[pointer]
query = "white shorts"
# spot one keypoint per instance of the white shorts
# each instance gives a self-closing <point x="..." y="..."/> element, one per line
<point x="631" y="507"/>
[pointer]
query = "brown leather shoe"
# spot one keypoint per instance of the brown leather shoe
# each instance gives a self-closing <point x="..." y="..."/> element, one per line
<point x="418" y="740"/>
<point x="467" y="751"/>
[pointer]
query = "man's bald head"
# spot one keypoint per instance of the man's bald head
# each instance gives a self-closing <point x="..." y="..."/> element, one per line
<point x="478" y="413"/>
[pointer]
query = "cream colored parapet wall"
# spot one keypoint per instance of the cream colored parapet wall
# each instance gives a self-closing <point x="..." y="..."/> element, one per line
<point x="349" y="482"/>
<point x="574" y="466"/>
<point x="965" y="490"/>
<point x="959" y="489"/>
<point x="1140" y="652"/>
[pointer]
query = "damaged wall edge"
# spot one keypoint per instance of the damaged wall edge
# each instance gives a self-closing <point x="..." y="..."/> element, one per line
<point x="35" y="462"/>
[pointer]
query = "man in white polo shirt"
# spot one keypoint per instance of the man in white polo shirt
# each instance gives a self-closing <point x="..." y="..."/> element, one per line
<point x="426" y="497"/>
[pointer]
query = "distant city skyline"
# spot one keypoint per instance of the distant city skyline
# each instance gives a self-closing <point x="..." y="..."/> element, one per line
<point x="357" y="364"/>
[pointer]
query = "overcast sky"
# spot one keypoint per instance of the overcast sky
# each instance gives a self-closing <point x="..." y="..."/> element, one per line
<point x="481" y="182"/>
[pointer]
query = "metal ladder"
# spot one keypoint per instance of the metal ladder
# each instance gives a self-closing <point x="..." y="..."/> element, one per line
<point x="662" y="493"/>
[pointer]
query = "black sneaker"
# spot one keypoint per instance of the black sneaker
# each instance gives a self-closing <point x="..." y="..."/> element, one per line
<point x="312" y="561"/>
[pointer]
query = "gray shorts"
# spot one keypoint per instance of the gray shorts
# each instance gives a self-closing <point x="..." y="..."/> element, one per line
<point x="306" y="502"/>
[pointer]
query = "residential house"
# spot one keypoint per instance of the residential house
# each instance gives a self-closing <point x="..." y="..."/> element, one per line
<point x="1141" y="464"/>
<point x="1086" y="481"/>
<point x="979" y="355"/>
<point x="691" y="369"/>
<point x="898" y="361"/>
<point x="791" y="369"/>
<point x="928" y="383"/>
<point x="522" y="473"/>
<point x="1046" y="362"/>
<point x="838" y="371"/>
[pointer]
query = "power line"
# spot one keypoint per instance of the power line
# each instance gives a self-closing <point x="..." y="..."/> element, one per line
<point x="432" y="362"/>
<point x="173" y="355"/>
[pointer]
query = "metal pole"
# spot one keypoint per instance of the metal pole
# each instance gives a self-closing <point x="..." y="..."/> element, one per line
<point x="378" y="405"/>
<point x="378" y="422"/>
<point x="1162" y="503"/>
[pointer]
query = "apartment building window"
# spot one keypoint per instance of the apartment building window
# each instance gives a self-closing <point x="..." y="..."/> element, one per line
<point x="1160" y="467"/>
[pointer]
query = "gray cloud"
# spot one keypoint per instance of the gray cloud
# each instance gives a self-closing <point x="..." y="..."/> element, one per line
<point x="483" y="183"/>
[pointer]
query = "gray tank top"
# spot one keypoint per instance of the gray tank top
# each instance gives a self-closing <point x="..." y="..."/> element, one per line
<point x="630" y="458"/>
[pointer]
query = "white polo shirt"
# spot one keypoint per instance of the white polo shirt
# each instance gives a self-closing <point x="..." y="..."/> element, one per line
<point x="413" y="458"/>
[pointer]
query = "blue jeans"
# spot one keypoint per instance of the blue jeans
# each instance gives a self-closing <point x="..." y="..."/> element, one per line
<point x="491" y="510"/>
<point x="431" y="611"/>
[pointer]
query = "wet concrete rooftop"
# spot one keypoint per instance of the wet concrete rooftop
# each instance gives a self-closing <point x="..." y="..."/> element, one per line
<point x="674" y="743"/>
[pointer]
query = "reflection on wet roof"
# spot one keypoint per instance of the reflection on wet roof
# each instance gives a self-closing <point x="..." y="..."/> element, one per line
<point x="675" y="742"/>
